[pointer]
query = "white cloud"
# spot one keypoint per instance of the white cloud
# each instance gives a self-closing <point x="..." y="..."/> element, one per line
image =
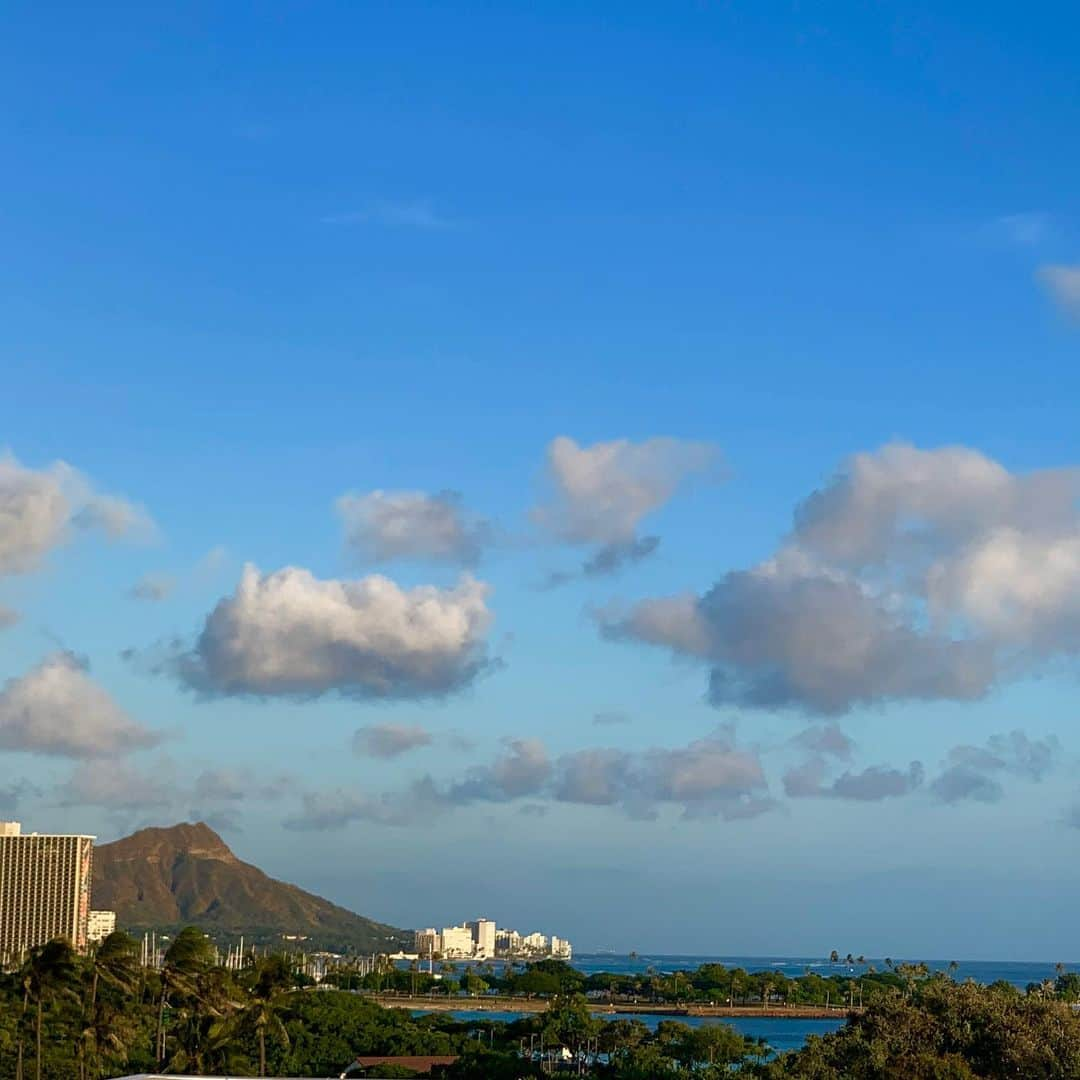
<point x="386" y="525"/>
<point x="522" y="770"/>
<point x="816" y="643"/>
<point x="1018" y="586"/>
<point x="912" y="574"/>
<point x="601" y="493"/>
<point x="115" y="517"/>
<point x="1063" y="284"/>
<point x="389" y="740"/>
<point x="57" y="709"/>
<point x="119" y="786"/>
<point x="901" y="503"/>
<point x="708" y="778"/>
<point x="289" y="633"/>
<point x="39" y="508"/>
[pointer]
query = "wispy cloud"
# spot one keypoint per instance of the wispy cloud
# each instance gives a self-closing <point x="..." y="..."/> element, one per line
<point x="1027" y="229"/>
<point x="417" y="214"/>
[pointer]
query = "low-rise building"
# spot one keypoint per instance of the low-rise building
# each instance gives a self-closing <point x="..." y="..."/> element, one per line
<point x="561" y="948"/>
<point x="99" y="925"/>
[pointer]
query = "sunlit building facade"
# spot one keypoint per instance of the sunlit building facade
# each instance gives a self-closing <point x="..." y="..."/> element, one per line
<point x="44" y="889"/>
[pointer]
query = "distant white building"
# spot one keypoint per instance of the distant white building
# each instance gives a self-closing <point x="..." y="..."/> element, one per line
<point x="561" y="949"/>
<point x="100" y="924"/>
<point x="507" y="942"/>
<point x="456" y="942"/>
<point x="428" y="942"/>
<point x="535" y="943"/>
<point x="483" y="935"/>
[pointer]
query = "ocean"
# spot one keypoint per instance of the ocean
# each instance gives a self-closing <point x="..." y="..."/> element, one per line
<point x="1019" y="973"/>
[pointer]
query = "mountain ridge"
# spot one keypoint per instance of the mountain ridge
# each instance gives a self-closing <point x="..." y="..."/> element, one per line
<point x="185" y="875"/>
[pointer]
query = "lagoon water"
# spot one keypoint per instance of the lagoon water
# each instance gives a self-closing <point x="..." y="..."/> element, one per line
<point x="782" y="1033"/>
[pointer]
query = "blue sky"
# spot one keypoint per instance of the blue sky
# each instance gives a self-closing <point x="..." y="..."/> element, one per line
<point x="259" y="259"/>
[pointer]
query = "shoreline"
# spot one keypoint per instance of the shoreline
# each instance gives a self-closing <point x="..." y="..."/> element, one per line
<point x="539" y="1005"/>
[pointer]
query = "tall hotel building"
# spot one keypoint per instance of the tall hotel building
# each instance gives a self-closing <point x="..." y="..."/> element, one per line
<point x="44" y="889"/>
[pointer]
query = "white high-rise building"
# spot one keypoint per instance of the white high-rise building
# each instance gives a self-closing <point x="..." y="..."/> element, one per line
<point x="44" y="889"/>
<point x="483" y="934"/>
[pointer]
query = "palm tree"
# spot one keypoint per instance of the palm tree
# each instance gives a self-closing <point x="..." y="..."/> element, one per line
<point x="274" y="979"/>
<point x="113" y="964"/>
<point x="48" y="974"/>
<point x="189" y="956"/>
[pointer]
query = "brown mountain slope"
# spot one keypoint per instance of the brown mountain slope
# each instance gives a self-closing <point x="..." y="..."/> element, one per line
<point x="186" y="875"/>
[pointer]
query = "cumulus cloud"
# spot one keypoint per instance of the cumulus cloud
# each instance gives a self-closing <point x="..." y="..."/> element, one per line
<point x="41" y="508"/>
<point x="153" y="588"/>
<point x="808" y="781"/>
<point x="600" y="493"/>
<point x="386" y="525"/>
<point x="57" y="709"/>
<point x="973" y="772"/>
<point x="825" y="739"/>
<point x="119" y="786"/>
<point x="813" y="642"/>
<point x="113" y="516"/>
<point x="289" y="633"/>
<point x="911" y="575"/>
<point x="961" y="782"/>
<point x="1063" y="283"/>
<point x="708" y="778"/>
<point x="522" y="770"/>
<point x="389" y="740"/>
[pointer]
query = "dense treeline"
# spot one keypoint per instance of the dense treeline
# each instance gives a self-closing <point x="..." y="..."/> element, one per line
<point x="710" y="984"/>
<point x="64" y="1016"/>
